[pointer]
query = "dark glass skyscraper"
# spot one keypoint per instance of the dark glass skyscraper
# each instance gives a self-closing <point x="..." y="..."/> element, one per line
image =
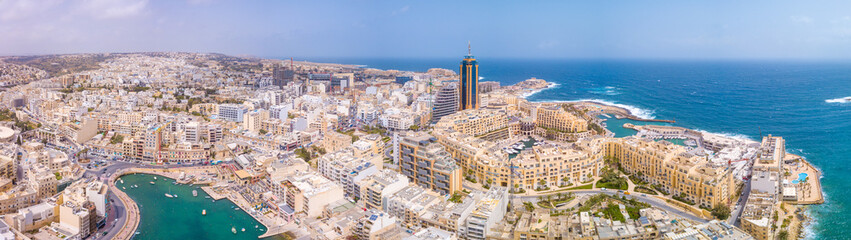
<point x="468" y="86"/>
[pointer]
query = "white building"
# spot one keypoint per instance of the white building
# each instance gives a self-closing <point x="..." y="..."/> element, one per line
<point x="488" y="211"/>
<point x="231" y="112"/>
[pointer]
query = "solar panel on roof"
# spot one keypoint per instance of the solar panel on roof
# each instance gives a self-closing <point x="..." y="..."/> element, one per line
<point x="373" y="217"/>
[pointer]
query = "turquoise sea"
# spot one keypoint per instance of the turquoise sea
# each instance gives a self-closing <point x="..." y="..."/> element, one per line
<point x="737" y="98"/>
<point x="180" y="218"/>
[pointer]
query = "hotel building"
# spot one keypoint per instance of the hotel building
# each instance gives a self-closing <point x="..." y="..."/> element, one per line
<point x="468" y="85"/>
<point x="675" y="170"/>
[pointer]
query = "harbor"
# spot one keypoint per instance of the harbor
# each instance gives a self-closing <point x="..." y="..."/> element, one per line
<point x="184" y="215"/>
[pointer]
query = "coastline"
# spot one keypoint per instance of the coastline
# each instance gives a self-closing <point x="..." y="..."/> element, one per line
<point x="169" y="173"/>
<point x="815" y="173"/>
<point x="550" y="85"/>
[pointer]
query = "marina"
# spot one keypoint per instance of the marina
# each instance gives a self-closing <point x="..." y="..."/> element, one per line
<point x="178" y="218"/>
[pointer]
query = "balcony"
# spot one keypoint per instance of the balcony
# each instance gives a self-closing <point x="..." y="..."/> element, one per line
<point x="424" y="179"/>
<point x="424" y="164"/>
<point x="439" y="177"/>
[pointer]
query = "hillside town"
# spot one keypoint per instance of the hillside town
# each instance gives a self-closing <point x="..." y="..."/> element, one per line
<point x="333" y="151"/>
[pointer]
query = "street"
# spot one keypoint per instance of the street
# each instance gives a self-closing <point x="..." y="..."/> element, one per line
<point x="648" y="199"/>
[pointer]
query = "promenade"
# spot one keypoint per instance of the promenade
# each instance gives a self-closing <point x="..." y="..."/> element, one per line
<point x="131" y="222"/>
<point x="274" y="225"/>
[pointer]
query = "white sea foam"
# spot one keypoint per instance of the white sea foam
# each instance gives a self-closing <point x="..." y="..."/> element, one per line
<point x="808" y="231"/>
<point x="608" y="91"/>
<point x="839" y="100"/>
<point x="737" y="136"/>
<point x="549" y="86"/>
<point x="636" y="111"/>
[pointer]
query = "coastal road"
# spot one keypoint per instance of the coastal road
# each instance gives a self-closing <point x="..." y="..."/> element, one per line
<point x="648" y="199"/>
<point x="117" y="219"/>
<point x="117" y="211"/>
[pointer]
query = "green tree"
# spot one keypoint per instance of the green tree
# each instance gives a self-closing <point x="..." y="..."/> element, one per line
<point x="117" y="138"/>
<point x="721" y="211"/>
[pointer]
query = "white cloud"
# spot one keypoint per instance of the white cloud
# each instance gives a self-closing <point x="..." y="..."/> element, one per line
<point x="548" y="44"/>
<point x="401" y="10"/>
<point x="801" y="19"/>
<point x="197" y="2"/>
<point x="19" y="9"/>
<point x="105" y="9"/>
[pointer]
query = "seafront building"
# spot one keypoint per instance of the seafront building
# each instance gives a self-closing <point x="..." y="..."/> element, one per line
<point x="760" y="209"/>
<point x="468" y="84"/>
<point x="673" y="169"/>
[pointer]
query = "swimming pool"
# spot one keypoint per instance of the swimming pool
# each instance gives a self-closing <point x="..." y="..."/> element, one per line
<point x="801" y="177"/>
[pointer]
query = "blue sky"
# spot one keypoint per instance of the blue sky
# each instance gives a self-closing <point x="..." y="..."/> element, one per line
<point x="433" y="29"/>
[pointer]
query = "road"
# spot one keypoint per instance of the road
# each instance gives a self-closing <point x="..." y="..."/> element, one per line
<point x="648" y="199"/>
<point x="117" y="211"/>
<point x="118" y="216"/>
<point x="734" y="216"/>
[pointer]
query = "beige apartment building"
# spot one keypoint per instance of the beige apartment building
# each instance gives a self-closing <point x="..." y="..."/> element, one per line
<point x="484" y="159"/>
<point x="672" y="168"/>
<point x="427" y="164"/>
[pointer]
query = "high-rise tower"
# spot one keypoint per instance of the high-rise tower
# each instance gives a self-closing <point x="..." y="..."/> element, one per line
<point x="468" y="86"/>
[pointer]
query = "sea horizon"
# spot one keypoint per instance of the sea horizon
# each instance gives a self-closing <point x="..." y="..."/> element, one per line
<point x="741" y="99"/>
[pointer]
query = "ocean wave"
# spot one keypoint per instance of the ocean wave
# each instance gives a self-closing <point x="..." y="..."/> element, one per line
<point x="549" y="86"/>
<point x="839" y="100"/>
<point x="608" y="91"/>
<point x="636" y="111"/>
<point x="808" y="227"/>
<point x="738" y="136"/>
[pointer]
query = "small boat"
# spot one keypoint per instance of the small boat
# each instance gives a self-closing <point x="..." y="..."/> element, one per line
<point x="207" y="197"/>
<point x="135" y="185"/>
<point x="175" y="195"/>
<point x="137" y="233"/>
<point x="204" y="212"/>
<point x="236" y="208"/>
<point x="255" y="226"/>
<point x="123" y="188"/>
<point x="233" y="229"/>
<point x="121" y="180"/>
<point x="194" y="193"/>
<point x="152" y="183"/>
<point x="155" y="178"/>
<point x="243" y="229"/>
<point x="169" y="195"/>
